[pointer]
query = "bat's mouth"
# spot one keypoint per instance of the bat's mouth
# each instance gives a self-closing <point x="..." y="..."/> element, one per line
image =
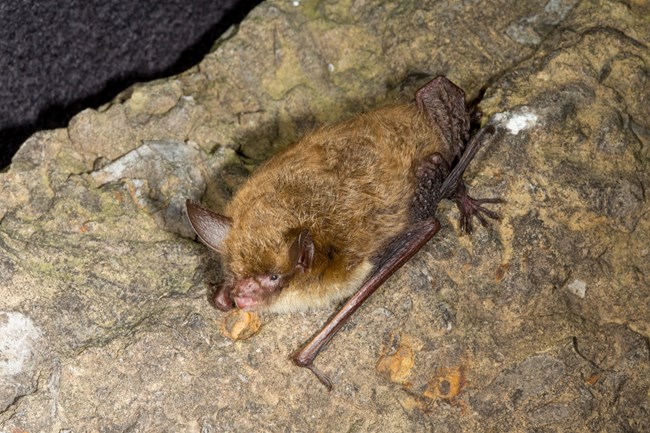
<point x="245" y="303"/>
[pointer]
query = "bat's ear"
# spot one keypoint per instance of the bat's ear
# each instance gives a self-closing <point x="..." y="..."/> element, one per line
<point x="211" y="227"/>
<point x="301" y="252"/>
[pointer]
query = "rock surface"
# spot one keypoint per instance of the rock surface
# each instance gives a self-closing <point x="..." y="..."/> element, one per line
<point x="538" y="323"/>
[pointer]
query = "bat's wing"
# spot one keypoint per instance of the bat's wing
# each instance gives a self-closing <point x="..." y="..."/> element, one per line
<point x="444" y="104"/>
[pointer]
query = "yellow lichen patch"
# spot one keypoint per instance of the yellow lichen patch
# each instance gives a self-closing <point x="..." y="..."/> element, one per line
<point x="397" y="360"/>
<point x="446" y="384"/>
<point x="240" y="325"/>
<point x="287" y="71"/>
<point x="154" y="99"/>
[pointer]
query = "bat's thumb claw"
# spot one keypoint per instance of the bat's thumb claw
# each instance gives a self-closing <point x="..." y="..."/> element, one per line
<point x="306" y="361"/>
<point x="324" y="379"/>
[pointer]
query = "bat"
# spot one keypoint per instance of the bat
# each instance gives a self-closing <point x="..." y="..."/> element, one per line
<point x="337" y="213"/>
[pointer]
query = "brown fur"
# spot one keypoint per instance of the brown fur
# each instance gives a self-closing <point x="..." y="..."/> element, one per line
<point x="350" y="185"/>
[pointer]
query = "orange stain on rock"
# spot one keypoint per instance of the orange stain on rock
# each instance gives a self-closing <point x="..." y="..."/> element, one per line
<point x="446" y="384"/>
<point x="591" y="380"/>
<point x="240" y="325"/>
<point x="501" y="271"/>
<point x="397" y="360"/>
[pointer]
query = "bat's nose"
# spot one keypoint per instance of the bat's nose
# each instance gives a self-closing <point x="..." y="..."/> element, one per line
<point x="222" y="300"/>
<point x="246" y="293"/>
<point x="246" y="288"/>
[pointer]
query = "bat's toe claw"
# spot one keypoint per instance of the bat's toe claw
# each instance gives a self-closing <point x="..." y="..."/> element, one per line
<point x="473" y="208"/>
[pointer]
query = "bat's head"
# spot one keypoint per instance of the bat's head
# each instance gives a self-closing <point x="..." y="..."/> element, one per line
<point x="257" y="268"/>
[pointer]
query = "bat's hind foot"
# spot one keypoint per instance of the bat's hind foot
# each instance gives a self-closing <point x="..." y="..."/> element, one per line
<point x="471" y="207"/>
<point x="435" y="181"/>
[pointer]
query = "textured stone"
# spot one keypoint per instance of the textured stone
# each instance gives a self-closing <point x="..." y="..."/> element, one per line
<point x="20" y="346"/>
<point x="538" y="323"/>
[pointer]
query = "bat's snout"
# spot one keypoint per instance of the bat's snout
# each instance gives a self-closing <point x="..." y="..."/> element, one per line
<point x="222" y="300"/>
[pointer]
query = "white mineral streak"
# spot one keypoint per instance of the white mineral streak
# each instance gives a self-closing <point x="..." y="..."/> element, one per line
<point x="578" y="288"/>
<point x="517" y="120"/>
<point x="18" y="336"/>
<point x="152" y="154"/>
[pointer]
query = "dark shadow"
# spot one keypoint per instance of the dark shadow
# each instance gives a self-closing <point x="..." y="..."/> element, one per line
<point x="59" y="113"/>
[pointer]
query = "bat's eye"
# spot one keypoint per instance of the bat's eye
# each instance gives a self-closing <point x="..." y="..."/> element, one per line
<point x="273" y="277"/>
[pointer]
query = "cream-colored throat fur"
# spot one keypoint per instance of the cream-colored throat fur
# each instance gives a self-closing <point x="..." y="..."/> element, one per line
<point x="301" y="299"/>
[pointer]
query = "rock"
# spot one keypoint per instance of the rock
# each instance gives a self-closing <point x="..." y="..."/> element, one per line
<point x="21" y="347"/>
<point x="396" y="360"/>
<point x="539" y="322"/>
<point x="240" y="325"/>
<point x="160" y="176"/>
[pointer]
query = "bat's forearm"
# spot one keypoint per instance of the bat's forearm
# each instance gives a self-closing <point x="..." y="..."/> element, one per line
<point x="398" y="252"/>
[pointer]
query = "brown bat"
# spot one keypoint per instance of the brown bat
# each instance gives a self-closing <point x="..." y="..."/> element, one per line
<point x="341" y="210"/>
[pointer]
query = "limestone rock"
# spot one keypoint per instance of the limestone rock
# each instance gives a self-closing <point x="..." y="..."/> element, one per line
<point x="538" y="323"/>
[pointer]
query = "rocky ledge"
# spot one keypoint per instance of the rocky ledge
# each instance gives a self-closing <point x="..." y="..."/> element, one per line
<point x="539" y="323"/>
